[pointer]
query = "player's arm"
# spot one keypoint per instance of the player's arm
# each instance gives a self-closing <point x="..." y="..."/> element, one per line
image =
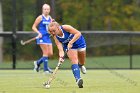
<point x="59" y="46"/>
<point x="52" y="20"/>
<point x="74" y="31"/>
<point x="36" y="23"/>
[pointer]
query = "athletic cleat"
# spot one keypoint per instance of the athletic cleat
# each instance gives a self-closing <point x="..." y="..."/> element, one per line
<point x="36" y="66"/>
<point x="83" y="69"/>
<point x="49" y="71"/>
<point x="80" y="83"/>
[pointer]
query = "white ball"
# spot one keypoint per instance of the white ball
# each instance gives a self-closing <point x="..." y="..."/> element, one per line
<point x="47" y="86"/>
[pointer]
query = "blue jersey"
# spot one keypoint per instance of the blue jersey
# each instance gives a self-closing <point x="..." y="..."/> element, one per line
<point x="43" y="29"/>
<point x="43" y="25"/>
<point x="80" y="43"/>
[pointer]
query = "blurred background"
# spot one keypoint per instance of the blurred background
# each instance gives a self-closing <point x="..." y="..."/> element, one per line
<point x="111" y="29"/>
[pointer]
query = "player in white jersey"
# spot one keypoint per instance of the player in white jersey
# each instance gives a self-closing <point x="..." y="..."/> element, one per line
<point x="67" y="37"/>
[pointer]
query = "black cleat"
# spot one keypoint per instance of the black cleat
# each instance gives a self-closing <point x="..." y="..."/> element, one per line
<point x="80" y="83"/>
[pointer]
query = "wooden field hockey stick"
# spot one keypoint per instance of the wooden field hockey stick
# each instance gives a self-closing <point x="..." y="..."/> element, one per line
<point x="28" y="41"/>
<point x="55" y="71"/>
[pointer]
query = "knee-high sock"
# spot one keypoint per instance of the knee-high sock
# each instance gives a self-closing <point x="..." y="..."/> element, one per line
<point x="40" y="61"/>
<point x="45" y="60"/>
<point x="76" y="71"/>
<point x="79" y="65"/>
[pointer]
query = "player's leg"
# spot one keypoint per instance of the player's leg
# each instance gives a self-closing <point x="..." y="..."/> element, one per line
<point x="44" y="48"/>
<point x="38" y="62"/>
<point x="50" y="50"/>
<point x="82" y="58"/>
<point x="50" y="54"/>
<point x="72" y="54"/>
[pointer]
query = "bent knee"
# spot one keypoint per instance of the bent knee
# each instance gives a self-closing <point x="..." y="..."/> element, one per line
<point x="74" y="61"/>
<point x="50" y="54"/>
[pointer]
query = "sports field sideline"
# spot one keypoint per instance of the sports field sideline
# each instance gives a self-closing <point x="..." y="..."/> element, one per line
<point x="95" y="81"/>
<point x="91" y="62"/>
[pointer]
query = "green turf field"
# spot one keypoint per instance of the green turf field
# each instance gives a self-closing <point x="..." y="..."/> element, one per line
<point x="91" y="62"/>
<point x="95" y="81"/>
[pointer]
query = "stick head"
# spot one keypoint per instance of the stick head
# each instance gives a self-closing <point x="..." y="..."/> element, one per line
<point x="22" y="43"/>
<point x="46" y="85"/>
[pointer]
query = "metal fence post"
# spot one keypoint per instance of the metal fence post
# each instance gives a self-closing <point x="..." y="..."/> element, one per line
<point x="14" y="35"/>
<point x="131" y="52"/>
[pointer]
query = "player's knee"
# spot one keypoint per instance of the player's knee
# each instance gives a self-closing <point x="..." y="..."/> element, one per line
<point x="74" y="61"/>
<point x="50" y="54"/>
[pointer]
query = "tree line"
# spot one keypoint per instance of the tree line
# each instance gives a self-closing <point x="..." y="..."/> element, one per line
<point x="102" y="15"/>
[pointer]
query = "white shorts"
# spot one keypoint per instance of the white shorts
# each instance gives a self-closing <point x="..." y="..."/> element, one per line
<point x="80" y="49"/>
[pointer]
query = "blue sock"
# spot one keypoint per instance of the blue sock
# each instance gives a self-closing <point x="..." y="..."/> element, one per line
<point x="40" y="61"/>
<point x="79" y="65"/>
<point x="76" y="71"/>
<point x="45" y="60"/>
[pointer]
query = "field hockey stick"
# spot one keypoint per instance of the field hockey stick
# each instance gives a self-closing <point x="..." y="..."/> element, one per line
<point x="55" y="71"/>
<point x="28" y="41"/>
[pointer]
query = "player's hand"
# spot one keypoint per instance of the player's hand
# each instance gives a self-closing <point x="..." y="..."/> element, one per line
<point x="39" y="35"/>
<point x="53" y="20"/>
<point x="69" y="45"/>
<point x="61" y="59"/>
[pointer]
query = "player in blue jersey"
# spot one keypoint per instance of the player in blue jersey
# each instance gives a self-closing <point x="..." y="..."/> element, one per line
<point x="40" y="26"/>
<point x="67" y="37"/>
